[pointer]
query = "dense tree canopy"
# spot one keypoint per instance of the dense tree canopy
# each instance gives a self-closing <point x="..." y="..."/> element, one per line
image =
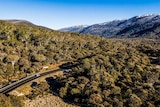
<point x="106" y="72"/>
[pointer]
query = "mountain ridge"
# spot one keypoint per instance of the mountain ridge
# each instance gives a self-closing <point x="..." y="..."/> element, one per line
<point x="145" y="26"/>
<point x="74" y="28"/>
<point x="24" y="22"/>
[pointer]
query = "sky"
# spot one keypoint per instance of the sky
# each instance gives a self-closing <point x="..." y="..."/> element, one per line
<point x="56" y="14"/>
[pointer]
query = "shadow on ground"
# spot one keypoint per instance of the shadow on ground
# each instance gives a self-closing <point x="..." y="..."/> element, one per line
<point x="54" y="85"/>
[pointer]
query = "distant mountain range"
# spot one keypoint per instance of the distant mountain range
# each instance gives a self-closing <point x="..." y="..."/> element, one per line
<point x="147" y="26"/>
<point x="74" y="28"/>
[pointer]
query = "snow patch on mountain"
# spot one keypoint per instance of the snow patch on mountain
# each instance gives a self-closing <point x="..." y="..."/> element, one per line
<point x="138" y="26"/>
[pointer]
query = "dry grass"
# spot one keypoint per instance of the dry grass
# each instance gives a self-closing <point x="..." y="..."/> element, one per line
<point x="47" y="101"/>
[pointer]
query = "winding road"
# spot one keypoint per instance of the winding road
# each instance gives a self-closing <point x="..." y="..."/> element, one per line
<point x="22" y="81"/>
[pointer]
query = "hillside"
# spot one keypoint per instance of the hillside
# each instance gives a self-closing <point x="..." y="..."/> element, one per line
<point x="103" y="72"/>
<point x="20" y="22"/>
<point x="146" y="26"/>
<point x="24" y="22"/>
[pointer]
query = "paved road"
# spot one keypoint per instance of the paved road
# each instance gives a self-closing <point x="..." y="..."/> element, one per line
<point x="20" y="82"/>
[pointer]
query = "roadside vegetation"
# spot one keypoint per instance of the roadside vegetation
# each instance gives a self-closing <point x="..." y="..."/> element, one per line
<point x="105" y="72"/>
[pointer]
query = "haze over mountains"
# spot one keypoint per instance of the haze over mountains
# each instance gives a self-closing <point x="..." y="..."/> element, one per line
<point x="147" y="26"/>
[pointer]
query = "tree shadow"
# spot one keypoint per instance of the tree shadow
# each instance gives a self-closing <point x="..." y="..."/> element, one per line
<point x="34" y="84"/>
<point x="70" y="65"/>
<point x="54" y="85"/>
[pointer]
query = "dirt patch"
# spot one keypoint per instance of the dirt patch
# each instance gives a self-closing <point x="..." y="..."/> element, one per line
<point x="47" y="101"/>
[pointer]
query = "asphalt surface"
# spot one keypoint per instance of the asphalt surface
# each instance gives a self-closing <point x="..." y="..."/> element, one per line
<point x="12" y="86"/>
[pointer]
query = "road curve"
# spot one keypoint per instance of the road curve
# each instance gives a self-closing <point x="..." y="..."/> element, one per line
<point x="22" y="81"/>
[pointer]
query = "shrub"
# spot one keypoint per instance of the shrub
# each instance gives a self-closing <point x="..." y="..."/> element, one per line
<point x="5" y="101"/>
<point x="63" y="92"/>
<point x="95" y="99"/>
<point x="134" y="101"/>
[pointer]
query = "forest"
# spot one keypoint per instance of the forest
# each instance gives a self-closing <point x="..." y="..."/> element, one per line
<point x="105" y="73"/>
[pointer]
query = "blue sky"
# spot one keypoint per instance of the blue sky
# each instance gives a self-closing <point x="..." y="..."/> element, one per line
<point x="57" y="14"/>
